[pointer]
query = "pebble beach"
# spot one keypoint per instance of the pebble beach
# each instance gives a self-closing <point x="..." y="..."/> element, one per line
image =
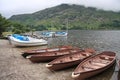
<point x="14" y="67"/>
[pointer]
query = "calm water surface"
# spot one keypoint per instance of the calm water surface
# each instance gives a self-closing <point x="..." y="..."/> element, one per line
<point x="99" y="40"/>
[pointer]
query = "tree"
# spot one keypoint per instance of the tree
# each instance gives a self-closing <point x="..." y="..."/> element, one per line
<point x="19" y="28"/>
<point x="17" y="31"/>
<point x="33" y="30"/>
<point x="4" y="24"/>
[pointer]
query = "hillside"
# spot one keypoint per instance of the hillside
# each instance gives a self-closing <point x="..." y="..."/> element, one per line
<point x="78" y="17"/>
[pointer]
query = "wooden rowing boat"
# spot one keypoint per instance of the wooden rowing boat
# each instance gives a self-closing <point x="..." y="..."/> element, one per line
<point x="119" y="71"/>
<point x="119" y="65"/>
<point x="47" y="50"/>
<point x="61" y="34"/>
<point x="68" y="60"/>
<point x="94" y="65"/>
<point x="51" y="55"/>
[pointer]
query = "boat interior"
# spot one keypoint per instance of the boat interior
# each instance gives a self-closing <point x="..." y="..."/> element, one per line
<point x="95" y="63"/>
<point x="48" y="50"/>
<point x="71" y="57"/>
<point x="52" y="49"/>
<point x="64" y="52"/>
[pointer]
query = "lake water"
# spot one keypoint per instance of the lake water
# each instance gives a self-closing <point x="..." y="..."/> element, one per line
<point x="99" y="40"/>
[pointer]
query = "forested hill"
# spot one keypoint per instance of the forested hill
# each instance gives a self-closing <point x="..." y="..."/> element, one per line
<point x="78" y="17"/>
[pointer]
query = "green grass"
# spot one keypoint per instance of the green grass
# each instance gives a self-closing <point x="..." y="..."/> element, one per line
<point x="6" y="33"/>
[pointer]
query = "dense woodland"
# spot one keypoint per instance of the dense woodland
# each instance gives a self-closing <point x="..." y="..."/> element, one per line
<point x="8" y="26"/>
<point x="79" y="17"/>
<point x="4" y="24"/>
<point x="56" y="18"/>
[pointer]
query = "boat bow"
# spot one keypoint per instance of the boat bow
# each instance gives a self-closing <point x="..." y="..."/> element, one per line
<point x="28" y="57"/>
<point x="48" y="65"/>
<point x="75" y="75"/>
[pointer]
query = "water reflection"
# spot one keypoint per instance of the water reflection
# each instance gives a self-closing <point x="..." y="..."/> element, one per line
<point x="57" y="41"/>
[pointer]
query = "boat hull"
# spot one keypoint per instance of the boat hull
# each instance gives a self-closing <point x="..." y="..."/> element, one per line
<point x="61" y="66"/>
<point x="38" y="59"/>
<point x="48" y="57"/>
<point x="59" y="49"/>
<point x="119" y="71"/>
<point x="68" y="61"/>
<point x="28" y="44"/>
<point x="85" y="75"/>
<point x="61" y="34"/>
<point x="31" y="42"/>
<point x="94" y="65"/>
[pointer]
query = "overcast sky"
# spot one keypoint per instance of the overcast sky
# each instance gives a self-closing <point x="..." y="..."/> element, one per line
<point x="13" y="7"/>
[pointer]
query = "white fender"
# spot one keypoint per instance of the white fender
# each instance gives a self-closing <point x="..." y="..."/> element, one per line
<point x="75" y="75"/>
<point x="48" y="65"/>
<point x="28" y="57"/>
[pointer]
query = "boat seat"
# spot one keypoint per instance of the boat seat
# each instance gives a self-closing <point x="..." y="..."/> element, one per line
<point x="61" y="61"/>
<point x="55" y="53"/>
<point x="87" y="68"/>
<point x="71" y="57"/>
<point x="99" y="63"/>
<point x="73" y="51"/>
<point x="74" y="58"/>
<point x="95" y="66"/>
<point x="86" y="54"/>
<point x="64" y="52"/>
<point x="91" y="67"/>
<point x="77" y="57"/>
<point x="62" y="48"/>
<point x="105" y="57"/>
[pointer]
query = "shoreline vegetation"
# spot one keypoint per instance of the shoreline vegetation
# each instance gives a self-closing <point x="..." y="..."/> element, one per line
<point x="76" y="17"/>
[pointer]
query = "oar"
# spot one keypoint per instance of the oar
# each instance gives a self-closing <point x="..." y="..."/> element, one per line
<point x="116" y="72"/>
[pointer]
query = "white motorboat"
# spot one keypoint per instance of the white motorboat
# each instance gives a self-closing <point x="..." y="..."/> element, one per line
<point x="47" y="34"/>
<point x="61" y="33"/>
<point x="19" y="40"/>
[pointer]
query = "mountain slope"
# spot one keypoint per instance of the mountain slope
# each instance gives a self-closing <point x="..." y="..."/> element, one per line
<point x="79" y="17"/>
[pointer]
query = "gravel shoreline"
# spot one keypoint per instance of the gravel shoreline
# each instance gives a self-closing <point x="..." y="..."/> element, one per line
<point x="14" y="67"/>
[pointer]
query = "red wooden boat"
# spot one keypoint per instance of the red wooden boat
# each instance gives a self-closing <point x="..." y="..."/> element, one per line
<point x="94" y="65"/>
<point x="51" y="55"/>
<point x="47" y="50"/>
<point x="119" y="65"/>
<point x="119" y="71"/>
<point x="68" y="60"/>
